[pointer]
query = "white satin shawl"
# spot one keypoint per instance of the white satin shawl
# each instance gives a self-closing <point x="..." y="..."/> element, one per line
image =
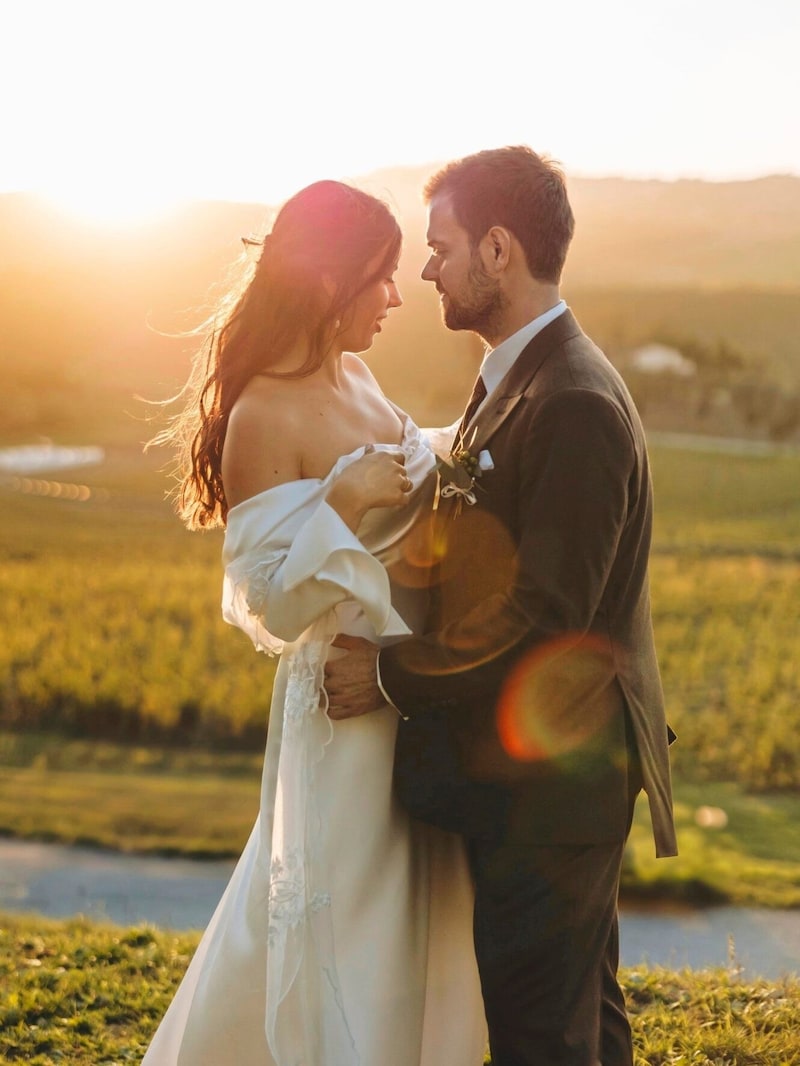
<point x="289" y="559"/>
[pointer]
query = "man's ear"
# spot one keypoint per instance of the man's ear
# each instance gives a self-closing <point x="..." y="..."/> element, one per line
<point x="495" y="249"/>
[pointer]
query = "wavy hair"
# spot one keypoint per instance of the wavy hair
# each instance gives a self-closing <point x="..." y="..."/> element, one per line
<point x="311" y="268"/>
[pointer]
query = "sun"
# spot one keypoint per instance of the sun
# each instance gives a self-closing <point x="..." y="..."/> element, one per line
<point x="110" y="207"/>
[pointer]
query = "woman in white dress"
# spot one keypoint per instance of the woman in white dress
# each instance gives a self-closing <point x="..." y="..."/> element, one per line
<point x="345" y="935"/>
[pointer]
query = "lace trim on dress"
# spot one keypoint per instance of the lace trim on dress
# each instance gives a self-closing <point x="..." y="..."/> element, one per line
<point x="279" y="581"/>
<point x="245" y="592"/>
<point x="304" y="687"/>
<point x="258" y="580"/>
<point x="302" y="979"/>
<point x="289" y="904"/>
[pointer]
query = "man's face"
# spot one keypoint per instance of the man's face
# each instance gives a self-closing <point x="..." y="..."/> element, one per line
<point x="470" y="297"/>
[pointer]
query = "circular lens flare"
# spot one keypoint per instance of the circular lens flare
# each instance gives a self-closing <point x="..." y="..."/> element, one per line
<point x="558" y="699"/>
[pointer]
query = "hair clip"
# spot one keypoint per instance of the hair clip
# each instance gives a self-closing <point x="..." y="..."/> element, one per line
<point x="256" y="242"/>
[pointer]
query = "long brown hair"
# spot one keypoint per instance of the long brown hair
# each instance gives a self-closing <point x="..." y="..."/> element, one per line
<point x="310" y="269"/>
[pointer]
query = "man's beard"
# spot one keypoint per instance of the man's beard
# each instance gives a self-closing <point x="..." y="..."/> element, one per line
<point x="480" y="307"/>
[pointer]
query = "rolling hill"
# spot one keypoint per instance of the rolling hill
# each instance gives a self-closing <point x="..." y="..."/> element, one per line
<point x="93" y="317"/>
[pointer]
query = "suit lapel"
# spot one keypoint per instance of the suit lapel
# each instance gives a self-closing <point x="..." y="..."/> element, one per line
<point x="516" y="382"/>
<point x="496" y="411"/>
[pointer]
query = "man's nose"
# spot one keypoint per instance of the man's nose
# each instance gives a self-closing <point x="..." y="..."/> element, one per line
<point x="429" y="271"/>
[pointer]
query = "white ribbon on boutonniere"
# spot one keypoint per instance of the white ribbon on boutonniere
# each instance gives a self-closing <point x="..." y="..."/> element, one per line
<point x="458" y="475"/>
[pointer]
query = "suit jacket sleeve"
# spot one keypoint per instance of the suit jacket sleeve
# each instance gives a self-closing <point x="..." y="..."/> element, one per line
<point x="575" y="478"/>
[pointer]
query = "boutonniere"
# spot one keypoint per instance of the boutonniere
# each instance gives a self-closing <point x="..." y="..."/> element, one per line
<point x="459" y="474"/>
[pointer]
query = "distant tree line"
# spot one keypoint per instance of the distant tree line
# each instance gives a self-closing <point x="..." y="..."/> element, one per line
<point x="725" y="377"/>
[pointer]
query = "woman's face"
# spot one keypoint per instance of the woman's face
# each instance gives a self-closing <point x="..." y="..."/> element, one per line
<point x="367" y="312"/>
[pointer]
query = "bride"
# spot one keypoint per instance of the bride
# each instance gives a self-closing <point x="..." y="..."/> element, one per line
<point x="344" y="937"/>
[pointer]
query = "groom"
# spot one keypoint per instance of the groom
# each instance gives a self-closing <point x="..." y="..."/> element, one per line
<point x="532" y="708"/>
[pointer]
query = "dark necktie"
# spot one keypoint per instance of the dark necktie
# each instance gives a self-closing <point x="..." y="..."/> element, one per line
<point x="475" y="400"/>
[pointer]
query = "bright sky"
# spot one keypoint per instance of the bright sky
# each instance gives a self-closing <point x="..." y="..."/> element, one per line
<point x="116" y="105"/>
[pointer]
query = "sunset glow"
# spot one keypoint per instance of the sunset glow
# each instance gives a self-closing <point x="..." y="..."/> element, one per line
<point x="121" y="108"/>
<point x="110" y="207"/>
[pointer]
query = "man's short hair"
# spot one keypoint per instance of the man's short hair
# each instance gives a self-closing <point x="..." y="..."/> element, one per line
<point x="515" y="188"/>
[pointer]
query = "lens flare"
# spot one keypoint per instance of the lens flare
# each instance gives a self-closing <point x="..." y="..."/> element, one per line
<point x="558" y="699"/>
<point x="422" y="550"/>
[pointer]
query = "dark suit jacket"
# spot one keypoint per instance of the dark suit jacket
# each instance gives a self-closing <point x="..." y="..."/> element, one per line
<point x="534" y="702"/>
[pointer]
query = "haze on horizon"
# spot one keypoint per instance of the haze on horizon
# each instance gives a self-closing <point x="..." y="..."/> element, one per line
<point x="118" y="109"/>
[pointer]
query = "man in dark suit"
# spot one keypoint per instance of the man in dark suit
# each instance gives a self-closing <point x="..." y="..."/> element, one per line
<point x="532" y="708"/>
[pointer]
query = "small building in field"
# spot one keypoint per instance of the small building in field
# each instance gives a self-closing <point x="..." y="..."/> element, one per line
<point x="657" y="358"/>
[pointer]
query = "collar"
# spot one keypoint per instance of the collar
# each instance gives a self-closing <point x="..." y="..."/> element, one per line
<point x="513" y="387"/>
<point x="498" y="361"/>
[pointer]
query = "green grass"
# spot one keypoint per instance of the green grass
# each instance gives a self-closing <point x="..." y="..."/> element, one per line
<point x="142" y="799"/>
<point x="80" y="993"/>
<point x="118" y="677"/>
<point x="119" y="682"/>
<point x="729" y="648"/>
<point x="117" y="631"/>
<point x="201" y="805"/>
<point x="92" y="995"/>
<point x="196" y="817"/>
<point x="751" y="859"/>
<point x="726" y="504"/>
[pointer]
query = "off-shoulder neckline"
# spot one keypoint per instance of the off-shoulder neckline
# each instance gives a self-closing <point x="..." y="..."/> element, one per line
<point x="410" y="431"/>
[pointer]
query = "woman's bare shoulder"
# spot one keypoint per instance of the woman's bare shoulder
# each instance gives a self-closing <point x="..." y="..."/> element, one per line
<point x="268" y="410"/>
<point x="262" y="442"/>
<point x="355" y="366"/>
<point x="265" y="398"/>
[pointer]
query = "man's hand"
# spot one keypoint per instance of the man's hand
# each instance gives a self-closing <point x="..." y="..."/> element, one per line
<point x="351" y="680"/>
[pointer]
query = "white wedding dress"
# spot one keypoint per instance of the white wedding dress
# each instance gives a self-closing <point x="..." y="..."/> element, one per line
<point x="344" y="937"/>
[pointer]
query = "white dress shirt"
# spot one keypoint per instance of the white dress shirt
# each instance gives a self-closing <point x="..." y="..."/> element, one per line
<point x="498" y="361"/>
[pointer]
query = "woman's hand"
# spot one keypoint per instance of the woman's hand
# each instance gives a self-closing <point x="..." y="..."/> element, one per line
<point x="377" y="479"/>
